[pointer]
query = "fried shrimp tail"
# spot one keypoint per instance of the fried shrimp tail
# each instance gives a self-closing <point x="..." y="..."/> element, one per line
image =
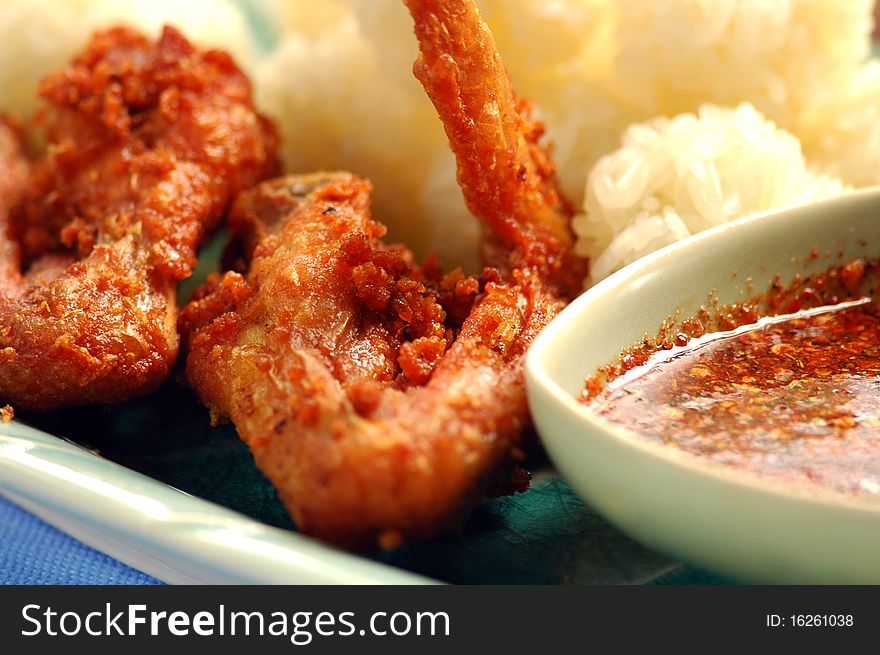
<point x="384" y="399"/>
<point x="148" y="144"/>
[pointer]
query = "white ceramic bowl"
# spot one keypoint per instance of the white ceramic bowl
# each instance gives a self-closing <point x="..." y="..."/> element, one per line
<point x="690" y="508"/>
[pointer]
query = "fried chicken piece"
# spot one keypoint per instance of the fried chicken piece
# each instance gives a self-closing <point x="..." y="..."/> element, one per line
<point x="384" y="399"/>
<point x="148" y="144"/>
<point x="509" y="182"/>
<point x="13" y="178"/>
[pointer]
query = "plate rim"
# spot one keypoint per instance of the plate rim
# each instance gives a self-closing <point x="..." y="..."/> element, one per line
<point x="162" y="531"/>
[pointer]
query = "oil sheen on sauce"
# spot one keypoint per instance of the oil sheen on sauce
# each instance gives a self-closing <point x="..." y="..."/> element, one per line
<point x="794" y="397"/>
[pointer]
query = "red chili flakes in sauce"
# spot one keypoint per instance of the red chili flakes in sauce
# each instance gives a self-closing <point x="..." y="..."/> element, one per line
<point x="794" y="397"/>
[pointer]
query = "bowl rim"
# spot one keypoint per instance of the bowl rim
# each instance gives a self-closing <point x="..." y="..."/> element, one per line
<point x="595" y="425"/>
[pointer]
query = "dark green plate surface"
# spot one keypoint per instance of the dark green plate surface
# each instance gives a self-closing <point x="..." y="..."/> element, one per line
<point x="544" y="536"/>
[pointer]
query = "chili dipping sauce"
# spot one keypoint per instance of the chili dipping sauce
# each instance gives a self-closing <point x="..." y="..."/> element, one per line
<point x="793" y="397"/>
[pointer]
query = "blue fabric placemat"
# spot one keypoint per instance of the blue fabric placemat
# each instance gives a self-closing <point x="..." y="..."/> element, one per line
<point x="33" y="552"/>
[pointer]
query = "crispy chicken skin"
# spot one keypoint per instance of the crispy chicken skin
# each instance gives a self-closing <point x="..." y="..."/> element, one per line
<point x="509" y="182"/>
<point x="148" y="144"/>
<point x="13" y="178"/>
<point x="384" y="399"/>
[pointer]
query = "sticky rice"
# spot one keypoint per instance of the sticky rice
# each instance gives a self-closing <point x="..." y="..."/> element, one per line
<point x="672" y="178"/>
<point x="801" y="108"/>
<point x="39" y="37"/>
<point x="841" y="132"/>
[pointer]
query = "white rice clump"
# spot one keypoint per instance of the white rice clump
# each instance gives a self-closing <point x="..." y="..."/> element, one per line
<point x="808" y="127"/>
<point x="841" y="133"/>
<point x="39" y="37"/>
<point x="672" y="178"/>
<point x="342" y="89"/>
<point x="779" y="55"/>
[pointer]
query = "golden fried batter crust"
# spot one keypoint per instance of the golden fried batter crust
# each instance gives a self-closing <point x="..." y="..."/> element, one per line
<point x="148" y="144"/>
<point x="381" y="398"/>
<point x="508" y="179"/>
<point x="13" y="178"/>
